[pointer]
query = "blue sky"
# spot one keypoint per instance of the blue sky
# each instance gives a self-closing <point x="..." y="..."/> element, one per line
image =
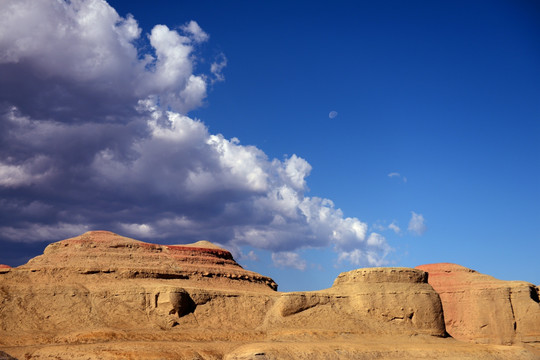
<point x="437" y="133"/>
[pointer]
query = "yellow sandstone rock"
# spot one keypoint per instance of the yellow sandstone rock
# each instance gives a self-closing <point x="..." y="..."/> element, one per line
<point x="104" y="296"/>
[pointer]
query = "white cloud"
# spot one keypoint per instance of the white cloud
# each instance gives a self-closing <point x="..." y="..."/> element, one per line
<point x="371" y="255"/>
<point x="38" y="232"/>
<point x="251" y="255"/>
<point x="195" y="31"/>
<point x="14" y="175"/>
<point x="83" y="48"/>
<point x="34" y="170"/>
<point x="288" y="259"/>
<point x="393" y="226"/>
<point x="217" y="68"/>
<point x="360" y="257"/>
<point x="140" y="230"/>
<point x="99" y="40"/>
<point x="397" y="175"/>
<point x="97" y="133"/>
<point x="376" y="240"/>
<point x="171" y="78"/>
<point x="417" y="224"/>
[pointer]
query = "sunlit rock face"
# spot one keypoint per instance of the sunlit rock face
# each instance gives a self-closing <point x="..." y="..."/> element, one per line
<point x="104" y="296"/>
<point x="385" y="301"/>
<point x="483" y="309"/>
<point x="398" y="295"/>
<point x="114" y="256"/>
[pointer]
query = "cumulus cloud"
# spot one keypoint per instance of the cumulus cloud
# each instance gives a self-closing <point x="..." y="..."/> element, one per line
<point x="375" y="246"/>
<point x="61" y="59"/>
<point x="195" y="31"/>
<point x="417" y="224"/>
<point x="359" y="256"/>
<point x="288" y="259"/>
<point x="94" y="134"/>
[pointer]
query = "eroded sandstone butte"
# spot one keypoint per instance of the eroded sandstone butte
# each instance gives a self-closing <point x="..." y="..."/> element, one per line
<point x="483" y="309"/>
<point x="104" y="296"/>
<point x="112" y="256"/>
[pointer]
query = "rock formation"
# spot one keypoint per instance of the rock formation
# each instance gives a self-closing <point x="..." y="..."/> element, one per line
<point x="104" y="296"/>
<point x="112" y="256"/>
<point x="483" y="309"/>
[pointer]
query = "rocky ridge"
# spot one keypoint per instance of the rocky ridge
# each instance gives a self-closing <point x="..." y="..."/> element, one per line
<point x="104" y="296"/>
<point x="482" y="309"/>
<point x="114" y="256"/>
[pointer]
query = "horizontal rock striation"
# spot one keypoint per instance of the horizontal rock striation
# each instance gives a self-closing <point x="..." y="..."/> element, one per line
<point x="482" y="309"/>
<point x="401" y="296"/>
<point x="381" y="275"/>
<point x="115" y="256"/>
<point x="384" y="301"/>
<point x="104" y="296"/>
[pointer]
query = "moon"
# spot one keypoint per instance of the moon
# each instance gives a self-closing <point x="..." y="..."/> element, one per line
<point x="332" y="114"/>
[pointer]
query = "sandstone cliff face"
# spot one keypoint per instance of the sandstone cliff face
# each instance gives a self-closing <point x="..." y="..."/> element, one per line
<point x="483" y="309"/>
<point x="400" y="296"/>
<point x="104" y="296"/>
<point x="111" y="256"/>
<point x="369" y="301"/>
<point x="103" y="280"/>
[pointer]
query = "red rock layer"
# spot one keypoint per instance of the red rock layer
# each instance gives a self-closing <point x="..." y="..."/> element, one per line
<point x="483" y="309"/>
<point x="105" y="252"/>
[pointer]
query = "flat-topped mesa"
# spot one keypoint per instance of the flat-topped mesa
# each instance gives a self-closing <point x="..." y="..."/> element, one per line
<point x="402" y="296"/>
<point x="480" y="308"/>
<point x="107" y="253"/>
<point x="381" y="275"/>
